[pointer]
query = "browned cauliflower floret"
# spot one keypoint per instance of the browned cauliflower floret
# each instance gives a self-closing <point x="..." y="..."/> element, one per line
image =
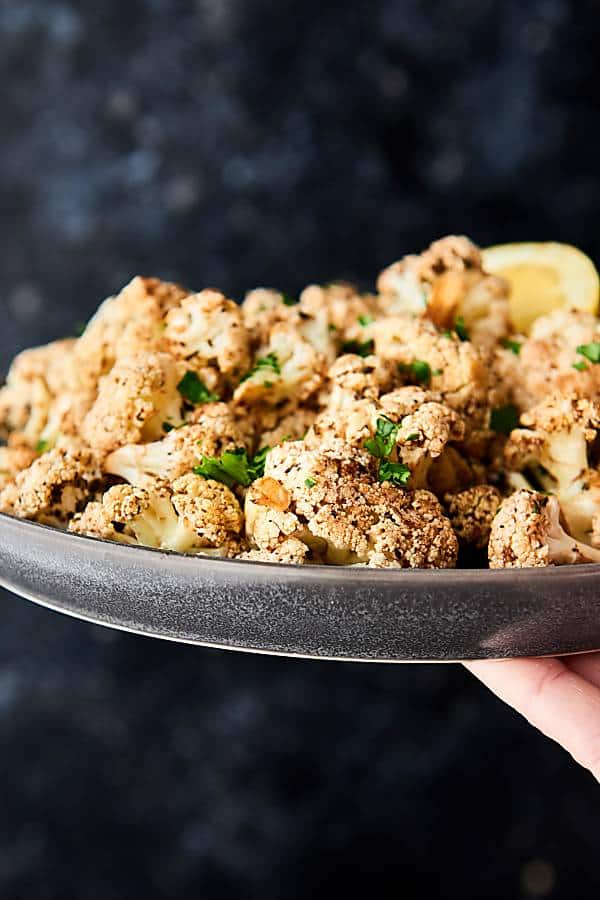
<point x="527" y="531"/>
<point x="134" y="401"/>
<point x="471" y="513"/>
<point x="262" y="309"/>
<point x="192" y="515"/>
<point x="457" y="370"/>
<point x="36" y="381"/>
<point x="54" y="487"/>
<point x="130" y="322"/>
<point x="333" y="314"/>
<point x="554" y="453"/>
<point x="329" y="500"/>
<point x="207" y="330"/>
<point x="292" y="427"/>
<point x="549" y="360"/>
<point x="14" y="457"/>
<point x="214" y="428"/>
<point x="445" y="283"/>
<point x="285" y="372"/>
<point x="419" y="427"/>
<point x="290" y="551"/>
<point x="353" y="377"/>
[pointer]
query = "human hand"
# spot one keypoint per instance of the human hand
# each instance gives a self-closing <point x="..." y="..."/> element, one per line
<point x="561" y="697"/>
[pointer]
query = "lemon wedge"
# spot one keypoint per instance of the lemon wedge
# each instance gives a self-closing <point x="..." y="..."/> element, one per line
<point x="544" y="277"/>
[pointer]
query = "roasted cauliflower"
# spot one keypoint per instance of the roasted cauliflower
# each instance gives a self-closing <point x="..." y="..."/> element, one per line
<point x="335" y="426"/>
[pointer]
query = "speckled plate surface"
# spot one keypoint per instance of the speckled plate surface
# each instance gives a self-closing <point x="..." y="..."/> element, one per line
<point x="313" y="611"/>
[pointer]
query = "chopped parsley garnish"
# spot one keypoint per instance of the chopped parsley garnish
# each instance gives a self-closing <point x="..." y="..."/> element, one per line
<point x="580" y="365"/>
<point x="460" y="328"/>
<point x="504" y="418"/>
<point x="385" y="437"/>
<point x="166" y="427"/>
<point x="515" y="346"/>
<point x="420" y="370"/>
<point x="590" y="351"/>
<point x="270" y="361"/>
<point x="288" y="300"/>
<point x="309" y="482"/>
<point x="413" y="437"/>
<point x="396" y="473"/>
<point x="42" y="446"/>
<point x="366" y="320"/>
<point x="437" y="371"/>
<point x="193" y="389"/>
<point x="233" y="466"/>
<point x="361" y="349"/>
<point x="268" y="384"/>
<point x="381" y="446"/>
<point x="332" y="327"/>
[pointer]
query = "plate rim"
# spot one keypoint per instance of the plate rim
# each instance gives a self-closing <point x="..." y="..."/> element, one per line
<point x="312" y="570"/>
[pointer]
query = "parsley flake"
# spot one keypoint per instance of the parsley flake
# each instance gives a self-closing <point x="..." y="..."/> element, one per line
<point x="515" y="346"/>
<point x="504" y="418"/>
<point x="397" y="474"/>
<point x="42" y="446"/>
<point x="361" y="349"/>
<point x="233" y="466"/>
<point x="460" y="328"/>
<point x="288" y="300"/>
<point x="590" y="351"/>
<point x="366" y="320"/>
<point x="580" y="365"/>
<point x="385" y="437"/>
<point x="193" y="389"/>
<point x="420" y="370"/>
<point x="270" y="361"/>
<point x="309" y="482"/>
<point x="413" y="437"/>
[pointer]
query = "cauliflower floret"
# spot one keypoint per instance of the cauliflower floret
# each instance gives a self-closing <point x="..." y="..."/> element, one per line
<point x="446" y="282"/>
<point x="290" y="551"/>
<point x="213" y="430"/>
<point x="558" y="433"/>
<point x="54" y="487"/>
<point x="547" y="359"/>
<point x="134" y="401"/>
<point x="292" y="427"/>
<point x="457" y="370"/>
<point x="191" y="516"/>
<point x="288" y="370"/>
<point x="527" y="531"/>
<point x="36" y="380"/>
<point x="208" y="330"/>
<point x="14" y="457"/>
<point x="262" y="309"/>
<point x="332" y="314"/>
<point x="472" y="512"/>
<point x="130" y="322"/>
<point x="353" y="377"/>
<point x="419" y="428"/>
<point x="329" y="500"/>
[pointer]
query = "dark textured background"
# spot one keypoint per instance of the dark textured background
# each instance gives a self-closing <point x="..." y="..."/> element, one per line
<point x="233" y="143"/>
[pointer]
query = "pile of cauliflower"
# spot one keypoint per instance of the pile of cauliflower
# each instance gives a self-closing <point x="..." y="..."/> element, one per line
<point x="410" y="427"/>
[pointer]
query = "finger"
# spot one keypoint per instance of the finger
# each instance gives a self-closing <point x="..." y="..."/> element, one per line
<point x="558" y="701"/>
<point x="585" y="664"/>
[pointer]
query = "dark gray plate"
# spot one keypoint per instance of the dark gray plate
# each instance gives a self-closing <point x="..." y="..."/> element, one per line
<point x="315" y="611"/>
